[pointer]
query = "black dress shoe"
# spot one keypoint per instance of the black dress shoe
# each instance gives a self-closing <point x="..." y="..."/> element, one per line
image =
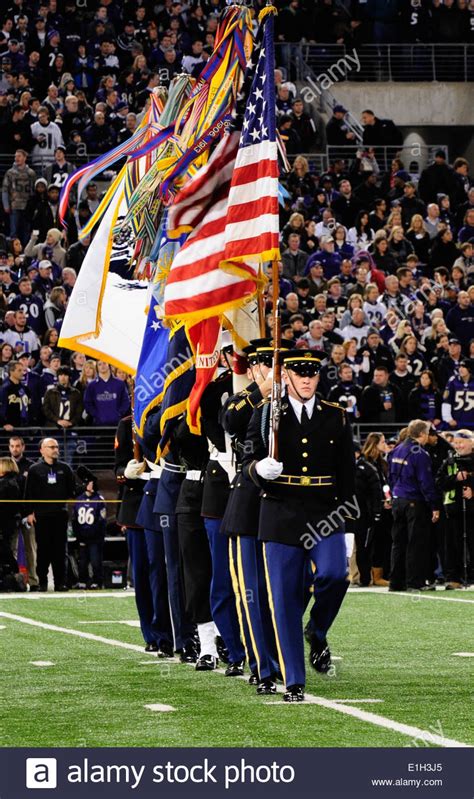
<point x="253" y="679"/>
<point x="320" y="656"/>
<point x="43" y="589"/>
<point x="34" y="588"/>
<point x="396" y="589"/>
<point x="165" y="650"/>
<point x="207" y="663"/>
<point x="266" y="687"/>
<point x="189" y="653"/>
<point x="235" y="669"/>
<point x="61" y="588"/>
<point x="153" y="647"/>
<point x="222" y="651"/>
<point x="294" y="693"/>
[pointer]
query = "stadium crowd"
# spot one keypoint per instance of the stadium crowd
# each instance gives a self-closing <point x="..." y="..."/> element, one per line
<point x="376" y="289"/>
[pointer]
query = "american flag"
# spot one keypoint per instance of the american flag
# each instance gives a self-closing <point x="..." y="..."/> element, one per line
<point x="252" y="228"/>
<point x="199" y="285"/>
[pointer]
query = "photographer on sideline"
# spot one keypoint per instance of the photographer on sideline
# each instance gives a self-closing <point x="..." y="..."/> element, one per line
<point x="455" y="478"/>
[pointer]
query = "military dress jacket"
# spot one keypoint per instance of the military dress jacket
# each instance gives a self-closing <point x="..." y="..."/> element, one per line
<point x="318" y="480"/>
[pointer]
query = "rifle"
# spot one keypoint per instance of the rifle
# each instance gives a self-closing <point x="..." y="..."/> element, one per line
<point x="275" y="404"/>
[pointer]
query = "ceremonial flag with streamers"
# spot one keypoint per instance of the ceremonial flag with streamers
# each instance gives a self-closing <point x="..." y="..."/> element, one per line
<point x="252" y="224"/>
<point x="158" y="366"/>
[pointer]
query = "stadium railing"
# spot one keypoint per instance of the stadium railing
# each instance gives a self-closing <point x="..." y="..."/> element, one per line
<point x="415" y="156"/>
<point x="407" y="62"/>
<point x="94" y="446"/>
<point x="79" y="446"/>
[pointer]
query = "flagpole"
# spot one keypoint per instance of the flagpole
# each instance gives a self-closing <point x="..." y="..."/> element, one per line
<point x="261" y="306"/>
<point x="275" y="406"/>
<point x="137" y="451"/>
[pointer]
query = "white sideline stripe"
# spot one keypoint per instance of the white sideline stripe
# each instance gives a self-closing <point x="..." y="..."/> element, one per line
<point x="420" y="595"/>
<point x="2" y="627"/>
<point x="130" y="623"/>
<point x="42" y="663"/>
<point x="464" y="654"/>
<point x="361" y="715"/>
<point x="160" y="708"/>
<point x="358" y="701"/>
<point x="119" y="594"/>
<point x="89" y="636"/>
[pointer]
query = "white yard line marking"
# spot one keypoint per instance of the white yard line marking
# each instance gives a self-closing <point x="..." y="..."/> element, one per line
<point x="464" y="654"/>
<point x="338" y="701"/>
<point x="414" y="597"/>
<point x="330" y="704"/>
<point x="160" y="708"/>
<point x="42" y="663"/>
<point x="380" y="721"/>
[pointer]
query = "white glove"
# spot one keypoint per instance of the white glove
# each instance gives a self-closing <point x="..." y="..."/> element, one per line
<point x="133" y="469"/>
<point x="269" y="468"/>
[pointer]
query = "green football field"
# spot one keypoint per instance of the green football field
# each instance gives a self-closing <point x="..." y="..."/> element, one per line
<point x="74" y="673"/>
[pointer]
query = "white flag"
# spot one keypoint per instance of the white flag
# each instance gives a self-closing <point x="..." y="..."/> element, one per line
<point x="106" y="313"/>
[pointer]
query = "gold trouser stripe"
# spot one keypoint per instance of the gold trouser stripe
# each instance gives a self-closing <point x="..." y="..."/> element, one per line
<point x="238" y="602"/>
<point x="243" y="594"/>
<point x="272" y="611"/>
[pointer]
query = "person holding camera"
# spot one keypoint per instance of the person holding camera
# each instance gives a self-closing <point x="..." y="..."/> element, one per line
<point x="455" y="478"/>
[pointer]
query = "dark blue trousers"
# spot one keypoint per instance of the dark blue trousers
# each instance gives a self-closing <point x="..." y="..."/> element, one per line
<point x="222" y="597"/>
<point x="149" y="579"/>
<point x="239" y="604"/>
<point x="159" y="584"/>
<point x="183" y="629"/>
<point x="286" y="570"/>
<point x="253" y="590"/>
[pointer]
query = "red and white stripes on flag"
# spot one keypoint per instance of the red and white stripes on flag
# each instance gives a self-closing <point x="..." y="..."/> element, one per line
<point x="252" y="229"/>
<point x="202" y="282"/>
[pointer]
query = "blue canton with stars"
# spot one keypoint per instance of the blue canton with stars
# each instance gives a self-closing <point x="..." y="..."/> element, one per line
<point x="259" y="119"/>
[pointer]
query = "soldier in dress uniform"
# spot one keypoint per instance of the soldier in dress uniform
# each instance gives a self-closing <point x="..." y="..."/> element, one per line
<point x="131" y="477"/>
<point x="306" y="496"/>
<point x="241" y="522"/>
<point x="215" y="494"/>
<point x="210" y="600"/>
<point x="164" y="516"/>
<point x="155" y="556"/>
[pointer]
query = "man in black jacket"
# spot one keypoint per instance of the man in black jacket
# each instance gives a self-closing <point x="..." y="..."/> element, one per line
<point x="52" y="480"/>
<point x="307" y="494"/>
<point x="381" y="401"/>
